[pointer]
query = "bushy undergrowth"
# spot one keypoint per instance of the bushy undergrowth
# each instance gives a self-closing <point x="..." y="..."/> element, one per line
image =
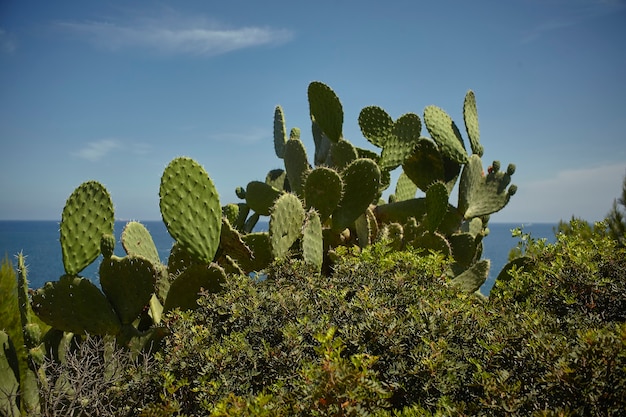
<point x="386" y="335"/>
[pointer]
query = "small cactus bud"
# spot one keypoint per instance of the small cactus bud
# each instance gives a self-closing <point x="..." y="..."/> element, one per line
<point x="107" y="245"/>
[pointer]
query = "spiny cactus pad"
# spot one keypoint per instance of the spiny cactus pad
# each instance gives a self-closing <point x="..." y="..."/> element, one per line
<point x="190" y="207"/>
<point x="361" y="181"/>
<point x="470" y="117"/>
<point x="260" y="197"/>
<point x="396" y="138"/>
<point x="280" y="132"/>
<point x="136" y="240"/>
<point x="74" y="304"/>
<point x="445" y="134"/>
<point x="87" y="215"/>
<point x="286" y="222"/>
<point x="296" y="165"/>
<point x="313" y="240"/>
<point x="436" y="206"/>
<point x="405" y="188"/>
<point x="326" y="110"/>
<point x="322" y="190"/>
<point x="128" y="283"/>
<point x="184" y="291"/>
<point x="343" y="153"/>
<point x="481" y="194"/>
<point x="471" y="280"/>
<point x="425" y="164"/>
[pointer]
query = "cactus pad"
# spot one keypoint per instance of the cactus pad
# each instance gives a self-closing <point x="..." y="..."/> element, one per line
<point x="326" y="110"/>
<point x="470" y="117"/>
<point x="481" y="194"/>
<point x="280" y="132"/>
<point x="296" y="165"/>
<point x="322" y="191"/>
<point x="128" y="283"/>
<point x="425" y="164"/>
<point x="260" y="197"/>
<point x="343" y="153"/>
<point x="190" y="207"/>
<point x="136" y="240"/>
<point x="472" y="279"/>
<point x="361" y="181"/>
<point x="74" y="304"/>
<point x="286" y="222"/>
<point x="313" y="240"/>
<point x="436" y="206"/>
<point x="87" y="215"/>
<point x="184" y="291"/>
<point x="445" y="134"/>
<point x="405" y="188"/>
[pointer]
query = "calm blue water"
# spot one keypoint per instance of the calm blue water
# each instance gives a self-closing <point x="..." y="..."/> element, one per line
<point x="39" y="241"/>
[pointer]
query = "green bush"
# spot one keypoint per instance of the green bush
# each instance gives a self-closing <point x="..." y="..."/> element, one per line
<point x="386" y="334"/>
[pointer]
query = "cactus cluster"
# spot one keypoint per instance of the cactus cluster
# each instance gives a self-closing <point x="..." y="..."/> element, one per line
<point x="344" y="185"/>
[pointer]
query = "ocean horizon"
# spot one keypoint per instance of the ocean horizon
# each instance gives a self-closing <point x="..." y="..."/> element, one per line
<point x="38" y="240"/>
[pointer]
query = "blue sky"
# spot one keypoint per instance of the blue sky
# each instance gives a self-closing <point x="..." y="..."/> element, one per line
<point x="113" y="90"/>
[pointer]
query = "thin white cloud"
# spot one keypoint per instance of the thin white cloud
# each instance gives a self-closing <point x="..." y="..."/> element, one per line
<point x="8" y="44"/>
<point x="587" y="193"/>
<point x="175" y="36"/>
<point x="94" y="151"/>
<point x="573" y="13"/>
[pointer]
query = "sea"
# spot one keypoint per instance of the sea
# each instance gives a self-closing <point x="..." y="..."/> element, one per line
<point x="39" y="242"/>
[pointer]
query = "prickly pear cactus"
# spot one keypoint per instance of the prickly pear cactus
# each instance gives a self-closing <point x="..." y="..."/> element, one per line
<point x="286" y="222"/>
<point x="481" y="194"/>
<point x="361" y="185"/>
<point x="470" y="117"/>
<point x="280" y="132"/>
<point x="296" y="165"/>
<point x="326" y="110"/>
<point x="313" y="240"/>
<point x="190" y="207"/>
<point x="128" y="284"/>
<point x="186" y="288"/>
<point x="137" y="241"/>
<point x="75" y="305"/>
<point x="445" y="134"/>
<point x="260" y="197"/>
<point x="323" y="190"/>
<point x="88" y="214"/>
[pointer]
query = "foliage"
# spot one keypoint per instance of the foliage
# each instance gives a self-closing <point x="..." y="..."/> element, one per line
<point x="386" y="334"/>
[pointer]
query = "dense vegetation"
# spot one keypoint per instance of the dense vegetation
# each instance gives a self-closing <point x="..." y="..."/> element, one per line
<point x="362" y="307"/>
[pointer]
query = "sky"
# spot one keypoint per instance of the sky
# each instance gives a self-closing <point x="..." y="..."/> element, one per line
<point x="114" y="90"/>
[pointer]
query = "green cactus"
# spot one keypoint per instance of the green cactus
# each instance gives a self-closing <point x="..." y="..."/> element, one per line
<point x="436" y="206"/>
<point x="185" y="289"/>
<point x="313" y="240"/>
<point x="405" y="188"/>
<point x="260" y="197"/>
<point x="326" y="110"/>
<point x="280" y="132"/>
<point x="296" y="165"/>
<point x="128" y="284"/>
<point x="342" y="154"/>
<point x="397" y="139"/>
<point x="471" y="279"/>
<point x="470" y="117"/>
<point x="286" y="221"/>
<point x="190" y="208"/>
<point x="480" y="194"/>
<point x="9" y="377"/>
<point x="361" y="186"/>
<point x="445" y="134"/>
<point x="87" y="215"/>
<point x="323" y="190"/>
<point x="75" y="305"/>
<point x="137" y="241"/>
